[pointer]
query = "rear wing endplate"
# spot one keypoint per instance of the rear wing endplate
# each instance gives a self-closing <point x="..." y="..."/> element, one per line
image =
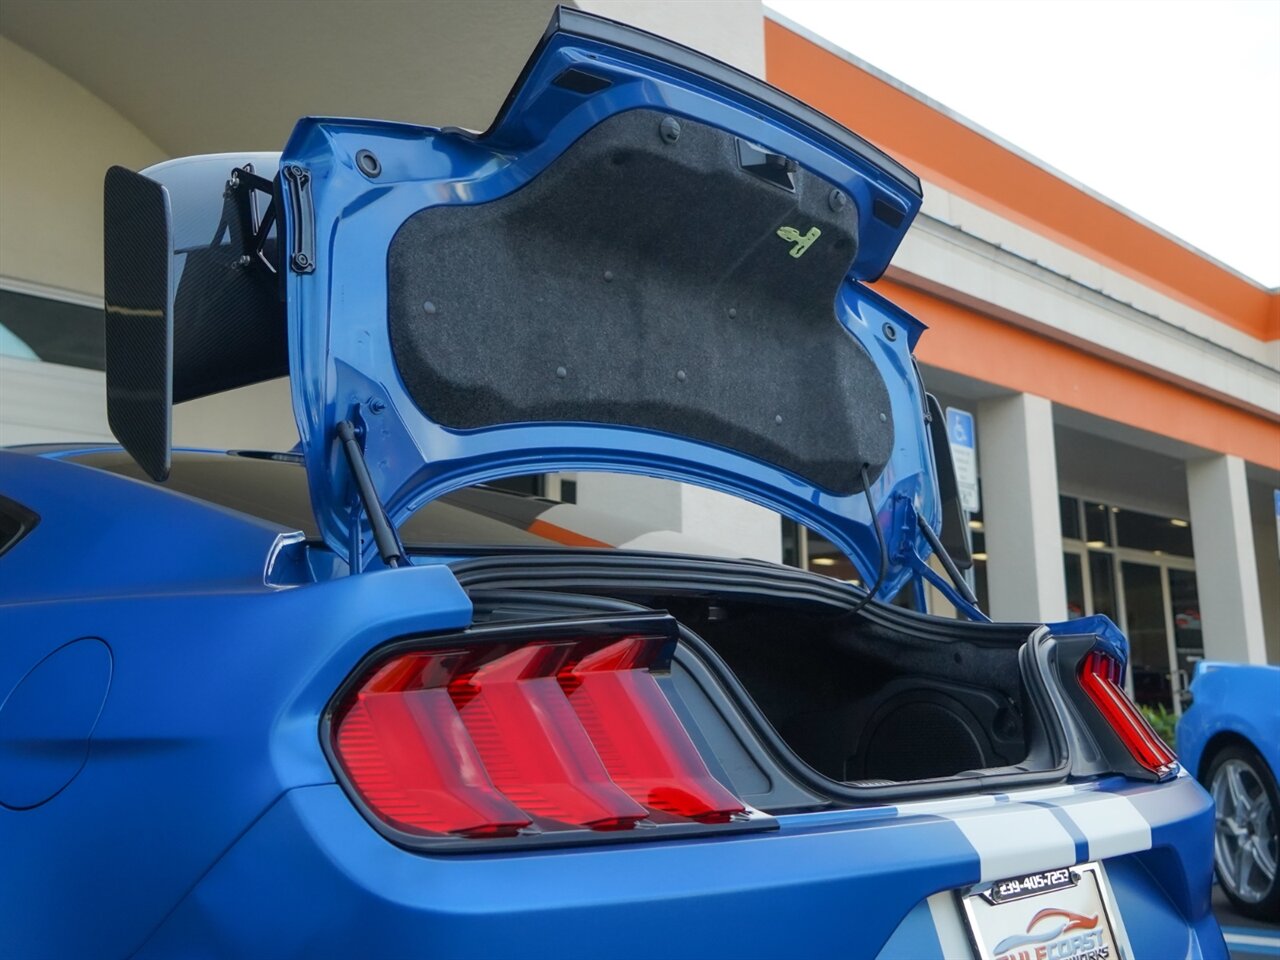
<point x="190" y="277"/>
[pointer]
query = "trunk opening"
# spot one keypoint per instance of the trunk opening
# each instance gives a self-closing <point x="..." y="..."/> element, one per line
<point x="876" y="705"/>
<point x="858" y="702"/>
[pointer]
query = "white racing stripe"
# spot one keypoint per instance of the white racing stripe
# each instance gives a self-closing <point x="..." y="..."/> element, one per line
<point x="1111" y="824"/>
<point x="1015" y="837"/>
<point x="1000" y="831"/>
<point x="1021" y="833"/>
<point x="1012" y="839"/>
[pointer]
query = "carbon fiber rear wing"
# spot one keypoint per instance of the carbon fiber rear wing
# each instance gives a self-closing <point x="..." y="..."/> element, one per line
<point x="193" y="304"/>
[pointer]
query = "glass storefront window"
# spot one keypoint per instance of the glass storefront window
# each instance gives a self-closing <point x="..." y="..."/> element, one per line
<point x="1102" y="580"/>
<point x="1145" y="531"/>
<point x="1069" y="508"/>
<point x="802" y="547"/>
<point x="1135" y="571"/>
<point x="980" y="585"/>
<point x="827" y="559"/>
<point x="978" y="544"/>
<point x="1073" y="568"/>
<point x="791" y="543"/>
<point x="1148" y="638"/>
<point x="1188" y="641"/>
<point x="1097" y="524"/>
<point x="531" y="485"/>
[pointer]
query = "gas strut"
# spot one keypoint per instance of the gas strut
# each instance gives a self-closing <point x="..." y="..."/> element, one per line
<point x="384" y="535"/>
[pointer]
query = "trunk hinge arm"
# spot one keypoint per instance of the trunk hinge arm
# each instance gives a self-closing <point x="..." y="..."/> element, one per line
<point x="302" y="252"/>
<point x="384" y="533"/>
<point x="956" y="590"/>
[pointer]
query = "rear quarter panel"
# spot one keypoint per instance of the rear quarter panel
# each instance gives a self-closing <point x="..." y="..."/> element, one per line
<point x="217" y="684"/>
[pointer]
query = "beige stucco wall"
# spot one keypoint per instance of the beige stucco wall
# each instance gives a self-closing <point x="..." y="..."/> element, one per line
<point x="56" y="141"/>
<point x="729" y="30"/>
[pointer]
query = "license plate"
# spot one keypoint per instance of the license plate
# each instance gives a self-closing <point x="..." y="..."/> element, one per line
<point x="1055" y="915"/>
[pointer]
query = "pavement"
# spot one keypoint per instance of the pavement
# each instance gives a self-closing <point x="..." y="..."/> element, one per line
<point x="1246" y="939"/>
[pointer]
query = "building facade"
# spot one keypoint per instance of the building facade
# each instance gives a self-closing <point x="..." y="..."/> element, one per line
<point x="1124" y="387"/>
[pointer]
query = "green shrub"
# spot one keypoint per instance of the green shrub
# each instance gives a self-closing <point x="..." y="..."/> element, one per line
<point x="1164" y="722"/>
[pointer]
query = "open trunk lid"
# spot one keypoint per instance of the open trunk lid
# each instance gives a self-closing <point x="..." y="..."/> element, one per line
<point x="648" y="264"/>
<point x="651" y="263"/>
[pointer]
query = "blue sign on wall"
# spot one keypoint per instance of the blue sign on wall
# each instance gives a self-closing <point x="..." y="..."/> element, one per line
<point x="965" y="456"/>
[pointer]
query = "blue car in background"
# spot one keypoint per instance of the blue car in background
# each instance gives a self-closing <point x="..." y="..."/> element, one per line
<point x="351" y="700"/>
<point x="1229" y="737"/>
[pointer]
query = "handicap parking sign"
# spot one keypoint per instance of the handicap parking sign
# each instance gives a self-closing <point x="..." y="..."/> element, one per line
<point x="965" y="455"/>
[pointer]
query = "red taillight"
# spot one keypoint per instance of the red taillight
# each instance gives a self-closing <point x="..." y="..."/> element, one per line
<point x="408" y="754"/>
<point x="550" y="734"/>
<point x="639" y="737"/>
<point x="537" y="753"/>
<point x="1103" y="681"/>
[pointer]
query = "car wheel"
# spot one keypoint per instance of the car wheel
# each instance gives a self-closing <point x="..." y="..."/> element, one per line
<point x="1246" y="841"/>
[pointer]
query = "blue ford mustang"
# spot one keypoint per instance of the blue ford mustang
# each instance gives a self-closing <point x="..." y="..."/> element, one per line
<point x="344" y="702"/>
<point x="1230" y="738"/>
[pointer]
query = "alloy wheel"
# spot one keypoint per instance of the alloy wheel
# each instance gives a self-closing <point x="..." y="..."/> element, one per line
<point x="1245" y="838"/>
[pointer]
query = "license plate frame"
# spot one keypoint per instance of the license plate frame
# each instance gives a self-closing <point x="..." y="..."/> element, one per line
<point x="1023" y="913"/>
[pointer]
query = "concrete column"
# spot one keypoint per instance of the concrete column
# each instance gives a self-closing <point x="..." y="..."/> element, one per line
<point x="742" y="528"/>
<point x="1226" y="565"/>
<point x="1022" y="524"/>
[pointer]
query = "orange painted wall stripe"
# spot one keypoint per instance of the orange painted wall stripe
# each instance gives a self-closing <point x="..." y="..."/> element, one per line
<point x="963" y="161"/>
<point x="970" y="343"/>
<point x="558" y="534"/>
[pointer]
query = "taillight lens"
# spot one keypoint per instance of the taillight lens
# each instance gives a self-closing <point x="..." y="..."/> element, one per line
<point x="409" y="755"/>
<point x="524" y="738"/>
<point x="1102" y="678"/>
<point x="533" y="746"/>
<point x="639" y="737"/>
